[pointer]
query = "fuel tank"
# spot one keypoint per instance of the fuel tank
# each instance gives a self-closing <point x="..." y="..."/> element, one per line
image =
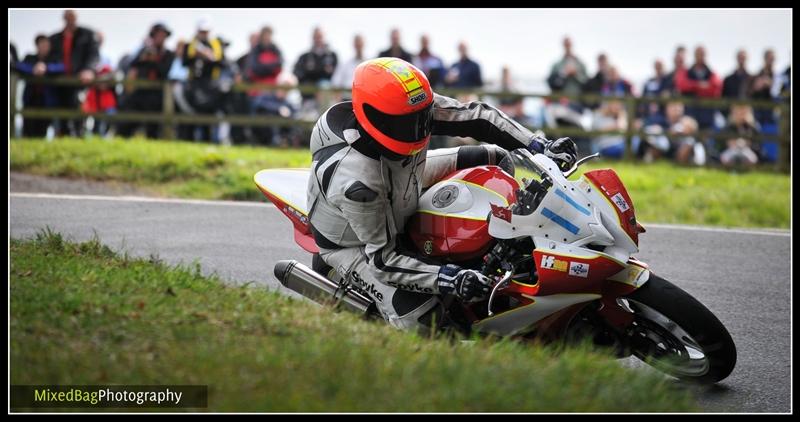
<point x="451" y="219"/>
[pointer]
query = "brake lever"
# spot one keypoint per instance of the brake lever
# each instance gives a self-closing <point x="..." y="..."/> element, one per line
<point x="497" y="286"/>
<point x="574" y="167"/>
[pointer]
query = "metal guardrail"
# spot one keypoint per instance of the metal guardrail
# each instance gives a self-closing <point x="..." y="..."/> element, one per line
<point x="169" y="117"/>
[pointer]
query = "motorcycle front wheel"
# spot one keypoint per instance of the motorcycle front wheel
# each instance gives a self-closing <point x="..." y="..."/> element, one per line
<point x="678" y="335"/>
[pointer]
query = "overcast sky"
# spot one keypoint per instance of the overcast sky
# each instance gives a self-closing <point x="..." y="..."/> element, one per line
<point x="527" y="40"/>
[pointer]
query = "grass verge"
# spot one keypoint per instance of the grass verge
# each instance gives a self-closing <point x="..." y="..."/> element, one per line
<point x="81" y="314"/>
<point x="662" y="192"/>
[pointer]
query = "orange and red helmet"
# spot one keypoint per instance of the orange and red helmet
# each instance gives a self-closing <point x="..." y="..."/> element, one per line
<point x="393" y="102"/>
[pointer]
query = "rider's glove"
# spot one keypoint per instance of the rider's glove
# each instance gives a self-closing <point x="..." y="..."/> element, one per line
<point x="468" y="285"/>
<point x="563" y="150"/>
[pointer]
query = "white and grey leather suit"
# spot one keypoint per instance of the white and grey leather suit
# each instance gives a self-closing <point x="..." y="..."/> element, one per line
<point x="360" y="200"/>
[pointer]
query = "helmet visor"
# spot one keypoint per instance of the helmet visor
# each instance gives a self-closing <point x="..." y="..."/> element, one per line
<point x="406" y="127"/>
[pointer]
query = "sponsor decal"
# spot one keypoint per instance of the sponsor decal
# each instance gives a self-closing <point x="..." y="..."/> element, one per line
<point x="501" y="212"/>
<point x="428" y="247"/>
<point x="418" y="98"/>
<point x="297" y="214"/>
<point x="411" y="287"/>
<point x="551" y="263"/>
<point x="400" y="70"/>
<point x="620" y="202"/>
<point x="368" y="288"/>
<point x="579" y="269"/>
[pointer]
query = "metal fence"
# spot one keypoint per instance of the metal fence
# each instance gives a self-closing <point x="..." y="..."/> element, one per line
<point x="169" y="117"/>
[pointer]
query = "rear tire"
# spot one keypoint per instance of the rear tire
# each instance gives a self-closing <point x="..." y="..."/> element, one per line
<point x="693" y="318"/>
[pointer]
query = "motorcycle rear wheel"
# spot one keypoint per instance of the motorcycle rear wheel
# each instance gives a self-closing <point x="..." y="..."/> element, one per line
<point x="676" y="334"/>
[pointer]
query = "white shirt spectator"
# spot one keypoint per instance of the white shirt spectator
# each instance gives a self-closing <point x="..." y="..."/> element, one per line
<point x="343" y="76"/>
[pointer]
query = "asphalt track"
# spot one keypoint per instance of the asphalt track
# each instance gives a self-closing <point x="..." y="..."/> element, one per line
<point x="743" y="276"/>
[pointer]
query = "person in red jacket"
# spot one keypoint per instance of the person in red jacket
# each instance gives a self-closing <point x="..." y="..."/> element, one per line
<point x="699" y="81"/>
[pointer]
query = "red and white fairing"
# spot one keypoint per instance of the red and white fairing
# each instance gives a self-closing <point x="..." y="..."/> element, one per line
<point x="451" y="220"/>
<point x="286" y="188"/>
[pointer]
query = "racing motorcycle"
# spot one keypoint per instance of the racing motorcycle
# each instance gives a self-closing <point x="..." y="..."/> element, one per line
<point x="561" y="254"/>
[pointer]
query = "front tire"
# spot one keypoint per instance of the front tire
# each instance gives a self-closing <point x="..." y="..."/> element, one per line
<point x="676" y="334"/>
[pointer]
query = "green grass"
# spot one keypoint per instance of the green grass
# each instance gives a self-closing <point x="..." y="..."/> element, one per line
<point x="81" y="314"/>
<point x="180" y="169"/>
<point x="662" y="192"/>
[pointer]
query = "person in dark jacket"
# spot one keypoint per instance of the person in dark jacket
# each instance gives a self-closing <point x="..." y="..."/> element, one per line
<point x="395" y="49"/>
<point x="76" y="47"/>
<point x="761" y="88"/>
<point x="465" y="73"/>
<point x="614" y="85"/>
<point x="655" y="87"/>
<point x="736" y="84"/>
<point x="596" y="83"/>
<point x="316" y="66"/>
<point x="151" y="63"/>
<point x="38" y="95"/>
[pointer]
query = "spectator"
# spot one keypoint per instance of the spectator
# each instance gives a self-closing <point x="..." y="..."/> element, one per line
<point x="512" y="106"/>
<point x="699" y="81"/>
<point x="240" y="101"/>
<point x="151" y="63"/>
<point x="276" y="104"/>
<point x="615" y="85"/>
<point x="265" y="62"/>
<point x="101" y="97"/>
<point x="761" y="89"/>
<point x="737" y="84"/>
<point x="431" y="65"/>
<point x="658" y="85"/>
<point x="315" y="67"/>
<point x="679" y="64"/>
<point x="343" y="76"/>
<point x="38" y="95"/>
<point x="567" y="75"/>
<point x="739" y="150"/>
<point x="595" y="84"/>
<point x="395" y="49"/>
<point x="610" y="117"/>
<point x="655" y="87"/>
<point x="76" y="47"/>
<point x="204" y="56"/>
<point x="465" y="73"/>
<point x="675" y="138"/>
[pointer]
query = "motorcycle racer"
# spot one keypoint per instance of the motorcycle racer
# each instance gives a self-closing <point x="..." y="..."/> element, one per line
<point x="371" y="164"/>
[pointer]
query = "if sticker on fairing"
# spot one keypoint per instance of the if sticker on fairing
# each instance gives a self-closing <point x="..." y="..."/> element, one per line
<point x="620" y="202"/>
<point x="551" y="263"/>
<point x="579" y="269"/>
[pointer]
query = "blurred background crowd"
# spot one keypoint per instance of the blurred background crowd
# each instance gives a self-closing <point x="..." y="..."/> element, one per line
<point x="201" y="76"/>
